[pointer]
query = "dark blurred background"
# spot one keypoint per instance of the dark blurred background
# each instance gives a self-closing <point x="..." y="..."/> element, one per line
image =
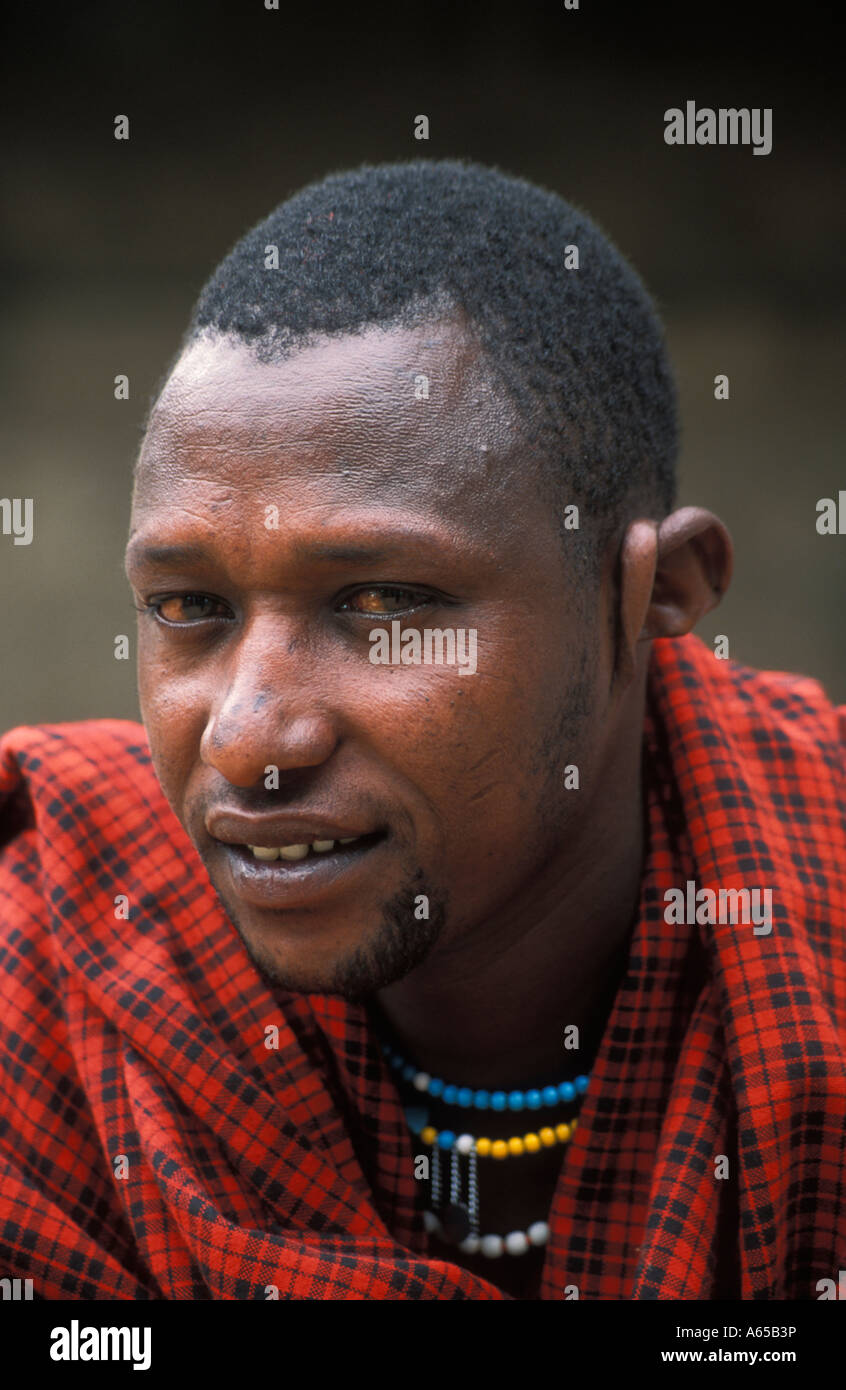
<point x="232" y="106"/>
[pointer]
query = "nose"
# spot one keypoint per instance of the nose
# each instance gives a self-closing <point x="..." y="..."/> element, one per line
<point x="269" y="713"/>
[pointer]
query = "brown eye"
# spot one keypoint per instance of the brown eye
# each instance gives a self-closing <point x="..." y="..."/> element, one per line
<point x="188" y="608"/>
<point x="383" y="600"/>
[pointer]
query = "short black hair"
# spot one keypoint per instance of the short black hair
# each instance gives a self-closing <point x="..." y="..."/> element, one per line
<point x="581" y="351"/>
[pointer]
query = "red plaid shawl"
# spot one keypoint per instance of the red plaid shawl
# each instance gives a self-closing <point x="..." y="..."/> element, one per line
<point x="247" y="1167"/>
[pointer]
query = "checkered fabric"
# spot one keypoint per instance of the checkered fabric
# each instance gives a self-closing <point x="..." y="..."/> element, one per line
<point x="154" y="1146"/>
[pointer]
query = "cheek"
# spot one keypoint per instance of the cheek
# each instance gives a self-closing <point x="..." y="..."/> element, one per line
<point x="523" y="749"/>
<point x="173" y="714"/>
<point x="467" y="744"/>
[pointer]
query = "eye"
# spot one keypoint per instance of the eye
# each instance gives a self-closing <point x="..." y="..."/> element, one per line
<point x="386" y="600"/>
<point x="181" y="609"/>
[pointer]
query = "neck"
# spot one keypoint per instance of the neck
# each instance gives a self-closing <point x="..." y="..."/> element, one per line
<point x="494" y="1013"/>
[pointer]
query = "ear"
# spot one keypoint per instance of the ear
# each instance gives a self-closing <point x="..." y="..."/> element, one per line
<point x="670" y="576"/>
<point x="693" y="570"/>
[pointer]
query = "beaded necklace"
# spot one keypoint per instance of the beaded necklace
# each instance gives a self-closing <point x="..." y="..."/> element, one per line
<point x="455" y="1218"/>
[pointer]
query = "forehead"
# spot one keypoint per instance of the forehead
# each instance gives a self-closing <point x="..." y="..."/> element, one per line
<point x="402" y="418"/>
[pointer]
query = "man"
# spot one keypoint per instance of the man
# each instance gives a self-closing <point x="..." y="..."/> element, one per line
<point x="387" y="973"/>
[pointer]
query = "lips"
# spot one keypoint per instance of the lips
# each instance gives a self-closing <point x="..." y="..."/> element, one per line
<point x="292" y="861"/>
<point x="271" y="832"/>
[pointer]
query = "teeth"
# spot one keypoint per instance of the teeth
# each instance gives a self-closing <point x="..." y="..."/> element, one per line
<point x="294" y="852"/>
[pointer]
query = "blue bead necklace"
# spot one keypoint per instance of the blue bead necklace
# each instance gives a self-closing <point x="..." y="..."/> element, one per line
<point x="467" y="1098"/>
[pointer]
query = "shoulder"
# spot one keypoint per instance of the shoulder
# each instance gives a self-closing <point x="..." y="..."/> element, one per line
<point x="79" y="803"/>
<point x="84" y="749"/>
<point x="86" y="834"/>
<point x="55" y="768"/>
<point x="768" y="716"/>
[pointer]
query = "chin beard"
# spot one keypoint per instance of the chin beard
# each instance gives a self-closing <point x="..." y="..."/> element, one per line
<point x="400" y="943"/>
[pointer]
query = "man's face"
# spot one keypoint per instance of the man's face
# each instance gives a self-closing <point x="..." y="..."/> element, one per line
<point x="283" y="513"/>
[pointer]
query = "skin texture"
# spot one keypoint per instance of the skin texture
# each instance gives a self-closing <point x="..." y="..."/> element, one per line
<point x="532" y="887"/>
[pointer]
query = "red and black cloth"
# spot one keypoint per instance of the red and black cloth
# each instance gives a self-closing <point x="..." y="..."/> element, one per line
<point x="153" y="1146"/>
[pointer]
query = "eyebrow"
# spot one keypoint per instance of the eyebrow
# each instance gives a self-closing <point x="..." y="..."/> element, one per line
<point x="166" y="554"/>
<point x="380" y="550"/>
